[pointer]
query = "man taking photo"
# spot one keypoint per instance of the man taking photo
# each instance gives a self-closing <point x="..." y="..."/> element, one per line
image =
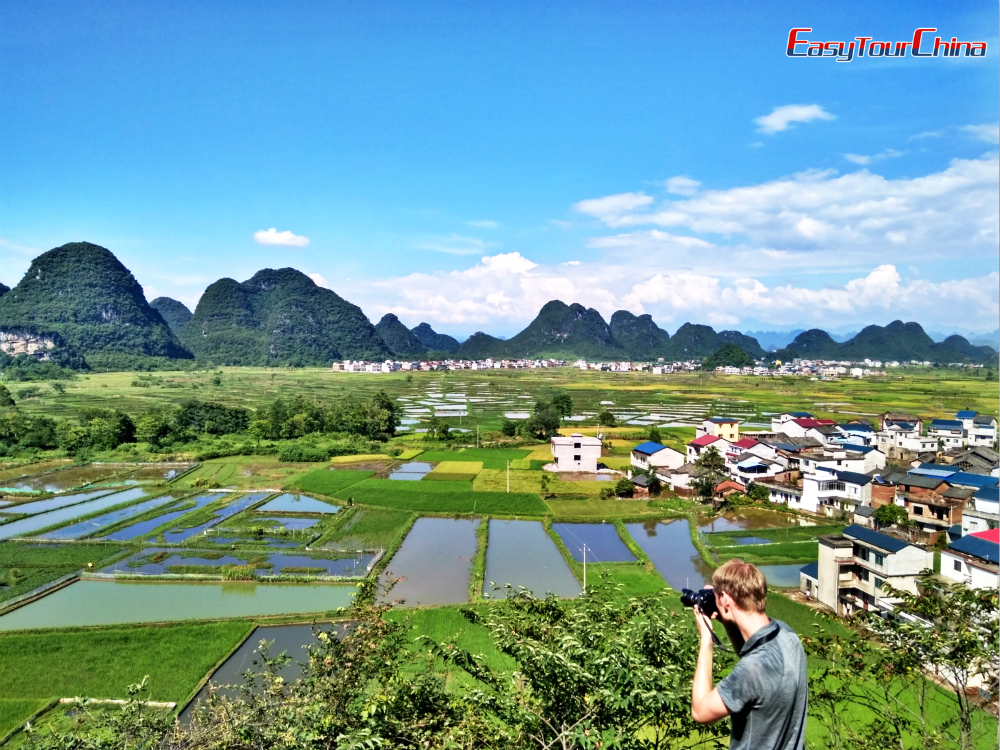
<point x="766" y="694"/>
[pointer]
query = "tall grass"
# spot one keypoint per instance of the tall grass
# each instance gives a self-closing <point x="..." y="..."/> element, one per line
<point x="450" y="501"/>
<point x="366" y="528"/>
<point x="327" y="482"/>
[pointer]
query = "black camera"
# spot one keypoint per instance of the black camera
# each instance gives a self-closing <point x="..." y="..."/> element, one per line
<point x="704" y="599"/>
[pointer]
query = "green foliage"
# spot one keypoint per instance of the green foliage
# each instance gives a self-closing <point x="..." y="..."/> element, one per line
<point x="5" y="398"/>
<point x="562" y="403"/>
<point x="435" y="342"/>
<point x="606" y="419"/>
<point x="727" y="355"/>
<point x="711" y="470"/>
<point x="890" y="514"/>
<point x="376" y="419"/>
<point x="443" y="497"/>
<point x="23" y="368"/>
<point x="624" y="488"/>
<point x="19" y="431"/>
<point x="327" y="482"/>
<point x="279" y="317"/>
<point x="490" y="458"/>
<point x="366" y="528"/>
<point x="639" y="336"/>
<point x="438" y="429"/>
<point x="100" y="663"/>
<point x="758" y="493"/>
<point x="83" y="293"/>
<point x="654" y="435"/>
<point x="13" y="713"/>
<point x="398" y="338"/>
<point x="296" y="452"/>
<point x="175" y="314"/>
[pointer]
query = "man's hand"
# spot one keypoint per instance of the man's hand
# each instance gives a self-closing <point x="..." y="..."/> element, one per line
<point x="704" y="624"/>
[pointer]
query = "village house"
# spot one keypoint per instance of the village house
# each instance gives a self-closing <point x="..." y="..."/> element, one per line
<point x="982" y="511"/>
<point x="931" y="503"/>
<point x="722" y="427"/>
<point x="948" y="433"/>
<point x="700" y="444"/>
<point x="834" y="493"/>
<point x="973" y="559"/>
<point x="650" y="456"/>
<point x="974" y="459"/>
<point x="854" y="566"/>
<point x="576" y="453"/>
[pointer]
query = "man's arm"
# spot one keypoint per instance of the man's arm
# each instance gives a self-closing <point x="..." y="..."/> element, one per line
<point x="706" y="703"/>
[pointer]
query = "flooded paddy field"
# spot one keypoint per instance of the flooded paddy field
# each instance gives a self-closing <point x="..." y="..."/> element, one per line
<point x="237" y="505"/>
<point x="436" y="561"/>
<point x="62" y="480"/>
<point x="24" y="470"/>
<point x="157" y="561"/>
<point x="106" y="603"/>
<point x="601" y="540"/>
<point x="35" y="507"/>
<point x="147" y="526"/>
<point x="289" y="503"/>
<point x="27" y="526"/>
<point x="411" y="471"/>
<point x="522" y="554"/>
<point x="289" y="639"/>
<point x="668" y="546"/>
<point x="93" y="526"/>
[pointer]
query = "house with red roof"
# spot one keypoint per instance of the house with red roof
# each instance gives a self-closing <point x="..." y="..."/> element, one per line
<point x="820" y="429"/>
<point x="700" y="444"/>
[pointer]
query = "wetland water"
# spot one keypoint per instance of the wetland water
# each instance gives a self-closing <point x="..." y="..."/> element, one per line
<point x="107" y="603"/>
<point x="29" y="525"/>
<point x="601" y="539"/>
<point x="63" y="479"/>
<point x="93" y="525"/>
<point x="234" y="507"/>
<point x="288" y="639"/>
<point x="142" y="564"/>
<point x="522" y="554"/>
<point x="44" y="506"/>
<point x="436" y="559"/>
<point x="412" y="471"/>
<point x="297" y="504"/>
<point x="144" y="527"/>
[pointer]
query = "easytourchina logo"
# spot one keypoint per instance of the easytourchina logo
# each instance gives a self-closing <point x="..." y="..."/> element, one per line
<point x="923" y="44"/>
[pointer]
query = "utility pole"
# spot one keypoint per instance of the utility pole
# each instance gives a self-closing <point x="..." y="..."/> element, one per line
<point x="508" y="476"/>
<point x="477" y="436"/>
<point x="585" y="567"/>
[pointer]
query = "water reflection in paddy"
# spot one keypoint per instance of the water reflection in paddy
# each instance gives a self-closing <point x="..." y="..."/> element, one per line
<point x="27" y="526"/>
<point x="668" y="545"/>
<point x="436" y="559"/>
<point x="236" y="506"/>
<point x="272" y="563"/>
<point x="106" y="603"/>
<point x="522" y="554"/>
<point x="289" y="503"/>
<point x="63" y="479"/>
<point x="412" y="471"/>
<point x="601" y="539"/>
<point x="144" y="527"/>
<point x="748" y="518"/>
<point x="44" y="506"/>
<point x="782" y="576"/>
<point x="94" y="525"/>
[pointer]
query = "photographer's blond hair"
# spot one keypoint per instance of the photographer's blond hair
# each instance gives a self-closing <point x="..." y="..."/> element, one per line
<point x="744" y="583"/>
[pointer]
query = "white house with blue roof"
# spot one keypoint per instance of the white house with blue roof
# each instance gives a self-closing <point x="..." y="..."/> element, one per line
<point x="982" y="511"/>
<point x="977" y="429"/>
<point x="650" y="456"/>
<point x="949" y="433"/>
<point x="855" y="567"/>
<point x="974" y="560"/>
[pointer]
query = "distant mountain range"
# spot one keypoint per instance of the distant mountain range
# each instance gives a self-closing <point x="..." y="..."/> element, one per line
<point x="85" y="301"/>
<point x="772" y="340"/>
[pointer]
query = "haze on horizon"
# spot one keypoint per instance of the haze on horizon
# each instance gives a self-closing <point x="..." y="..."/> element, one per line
<point x="462" y="165"/>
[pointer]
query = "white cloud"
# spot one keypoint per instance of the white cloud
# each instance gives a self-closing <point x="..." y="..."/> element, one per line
<point x="483" y="224"/>
<point x="926" y="134"/>
<point x="319" y="280"/>
<point x="284" y="239"/>
<point x="889" y="153"/>
<point x="611" y="206"/>
<point x="682" y="185"/>
<point x="455" y="244"/>
<point x="572" y="263"/>
<point x="988" y="133"/>
<point x="952" y="212"/>
<point x="781" y="118"/>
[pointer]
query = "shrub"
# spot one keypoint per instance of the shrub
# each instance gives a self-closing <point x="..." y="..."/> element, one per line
<point x="296" y="453"/>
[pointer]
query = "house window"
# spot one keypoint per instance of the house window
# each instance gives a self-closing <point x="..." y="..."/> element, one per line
<point x="576" y="445"/>
<point x="958" y="565"/>
<point x="862" y="552"/>
<point x="576" y="458"/>
<point x="879" y="559"/>
<point x="863" y="574"/>
<point x="918" y="510"/>
<point x="878" y="582"/>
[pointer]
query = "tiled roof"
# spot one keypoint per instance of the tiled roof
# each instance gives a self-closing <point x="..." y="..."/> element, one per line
<point x="722" y="420"/>
<point x="811" y="570"/>
<point x="746" y="443"/>
<point x="876" y="539"/>
<point x="976" y="546"/>
<point x="704" y="440"/>
<point x="946" y="424"/>
<point x="965" y="414"/>
<point x="853" y="477"/>
<point x="649" y="448"/>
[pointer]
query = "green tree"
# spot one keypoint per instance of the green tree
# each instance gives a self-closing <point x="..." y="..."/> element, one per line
<point x="606" y="419"/>
<point x="654" y="434"/>
<point x="624" y="488"/>
<point x="758" y="493"/>
<point x="727" y="355"/>
<point x="59" y="388"/>
<point x="5" y="398"/>
<point x="890" y="514"/>
<point x="655" y="486"/>
<point x="508" y="427"/>
<point x="563" y="404"/>
<point x="711" y="470"/>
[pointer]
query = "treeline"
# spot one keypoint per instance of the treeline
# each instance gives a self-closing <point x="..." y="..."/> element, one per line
<point x="545" y="419"/>
<point x="347" y="427"/>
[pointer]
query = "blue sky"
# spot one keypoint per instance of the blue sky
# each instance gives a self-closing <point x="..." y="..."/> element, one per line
<point x="462" y="163"/>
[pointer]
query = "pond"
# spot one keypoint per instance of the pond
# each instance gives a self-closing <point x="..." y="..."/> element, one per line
<point x="601" y="540"/>
<point x="142" y="564"/>
<point x="747" y="518"/>
<point x="288" y="639"/>
<point x="29" y="525"/>
<point x="236" y="506"/>
<point x="412" y="471"/>
<point x="44" y="506"/>
<point x="522" y="554"/>
<point x="669" y="547"/>
<point x="94" y="525"/>
<point x="782" y="576"/>
<point x="106" y="602"/>
<point x="142" y="528"/>
<point x="24" y="470"/>
<point x="436" y="560"/>
<point x="63" y="479"/>
<point x="741" y="540"/>
<point x="583" y="476"/>
<point x="288" y="503"/>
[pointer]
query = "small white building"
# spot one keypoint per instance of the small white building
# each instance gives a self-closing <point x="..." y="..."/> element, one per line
<point x="973" y="560"/>
<point x="650" y="455"/>
<point x="576" y="453"/>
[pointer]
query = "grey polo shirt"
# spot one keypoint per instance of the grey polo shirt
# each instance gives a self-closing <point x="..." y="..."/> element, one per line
<point x="767" y="692"/>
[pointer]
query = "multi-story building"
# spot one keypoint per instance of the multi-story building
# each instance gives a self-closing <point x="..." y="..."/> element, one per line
<point x="974" y="560"/>
<point x="854" y="568"/>
<point x="948" y="433"/>
<point x="931" y="503"/>
<point x="576" y="452"/>
<point x="652" y="456"/>
<point x="982" y="511"/>
<point x="720" y="427"/>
